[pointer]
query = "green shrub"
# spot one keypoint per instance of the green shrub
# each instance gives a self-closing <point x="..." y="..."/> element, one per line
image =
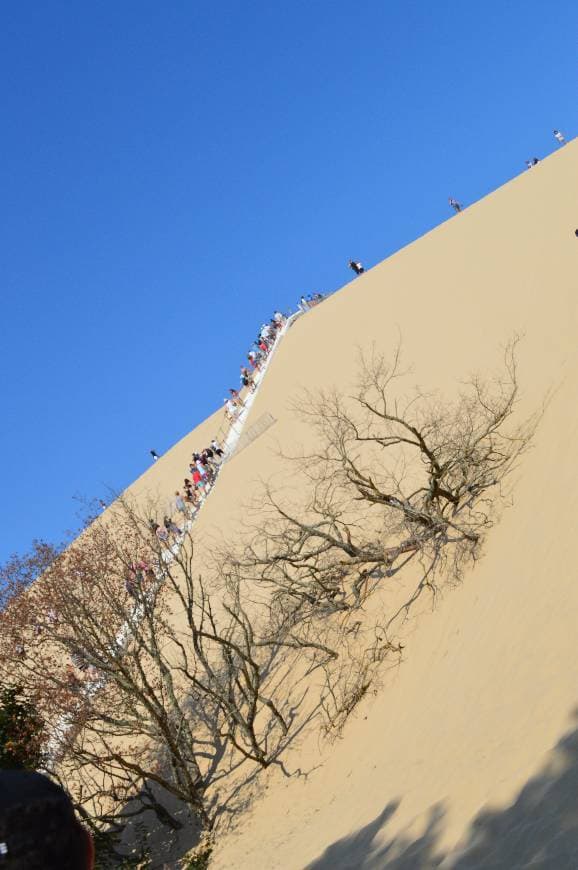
<point x="22" y="734"/>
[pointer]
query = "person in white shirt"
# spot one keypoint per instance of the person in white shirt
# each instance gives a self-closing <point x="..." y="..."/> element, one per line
<point x="201" y="468"/>
<point x="356" y="266"/>
<point x="559" y="137"/>
<point x="230" y="409"/>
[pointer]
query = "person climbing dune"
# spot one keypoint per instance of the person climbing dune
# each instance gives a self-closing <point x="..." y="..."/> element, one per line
<point x="356" y="266"/>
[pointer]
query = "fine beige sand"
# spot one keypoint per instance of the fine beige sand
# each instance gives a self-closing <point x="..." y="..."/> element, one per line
<point x="468" y="754"/>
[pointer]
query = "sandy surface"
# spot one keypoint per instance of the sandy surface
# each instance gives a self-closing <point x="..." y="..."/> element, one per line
<point x="468" y="756"/>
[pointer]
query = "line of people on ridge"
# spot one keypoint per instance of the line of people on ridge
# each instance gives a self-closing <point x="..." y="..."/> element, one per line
<point x="560" y="139"/>
<point x="204" y="466"/>
<point x="256" y="357"/>
<point x="203" y="470"/>
<point x="308" y="302"/>
<point x="457" y="206"/>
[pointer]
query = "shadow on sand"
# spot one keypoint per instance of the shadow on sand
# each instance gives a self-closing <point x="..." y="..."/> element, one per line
<point x="164" y="835"/>
<point x="539" y="830"/>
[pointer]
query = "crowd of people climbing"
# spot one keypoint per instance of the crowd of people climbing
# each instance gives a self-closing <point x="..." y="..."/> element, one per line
<point x="205" y="464"/>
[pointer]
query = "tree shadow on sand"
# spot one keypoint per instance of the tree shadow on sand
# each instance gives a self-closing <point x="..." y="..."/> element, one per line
<point x="539" y="830"/>
<point x="170" y="830"/>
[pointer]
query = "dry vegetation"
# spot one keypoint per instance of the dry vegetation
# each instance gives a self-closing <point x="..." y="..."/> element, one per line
<point x="159" y="683"/>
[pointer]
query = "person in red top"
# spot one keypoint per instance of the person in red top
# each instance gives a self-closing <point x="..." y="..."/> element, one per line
<point x="197" y="479"/>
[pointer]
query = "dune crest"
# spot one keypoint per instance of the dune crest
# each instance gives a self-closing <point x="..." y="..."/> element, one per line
<point x="467" y="754"/>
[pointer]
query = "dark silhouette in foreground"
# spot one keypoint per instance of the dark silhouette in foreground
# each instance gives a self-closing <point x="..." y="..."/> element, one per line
<point x="38" y="828"/>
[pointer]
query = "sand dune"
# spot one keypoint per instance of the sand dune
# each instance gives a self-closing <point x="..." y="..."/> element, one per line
<point x="467" y="757"/>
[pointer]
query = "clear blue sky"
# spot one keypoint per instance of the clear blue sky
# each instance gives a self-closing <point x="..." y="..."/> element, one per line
<point x="172" y="172"/>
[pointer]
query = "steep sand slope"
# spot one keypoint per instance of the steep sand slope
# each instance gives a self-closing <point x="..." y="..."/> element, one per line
<point x="489" y="682"/>
<point x="489" y="685"/>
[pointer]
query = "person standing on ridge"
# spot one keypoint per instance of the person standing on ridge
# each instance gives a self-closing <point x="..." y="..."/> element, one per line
<point x="154" y="455"/>
<point x="356" y="266"/>
<point x="559" y="137"/>
<point x="454" y="204"/>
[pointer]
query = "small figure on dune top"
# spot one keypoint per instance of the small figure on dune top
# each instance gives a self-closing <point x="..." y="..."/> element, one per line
<point x="454" y="204"/>
<point x="303" y="304"/>
<point x="559" y="137"/>
<point x="356" y="266"/>
<point x="154" y="455"/>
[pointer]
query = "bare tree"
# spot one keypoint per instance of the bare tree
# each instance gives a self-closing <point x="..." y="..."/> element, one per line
<point x="157" y="679"/>
<point x="90" y="659"/>
<point x="394" y="478"/>
<point x="146" y="677"/>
